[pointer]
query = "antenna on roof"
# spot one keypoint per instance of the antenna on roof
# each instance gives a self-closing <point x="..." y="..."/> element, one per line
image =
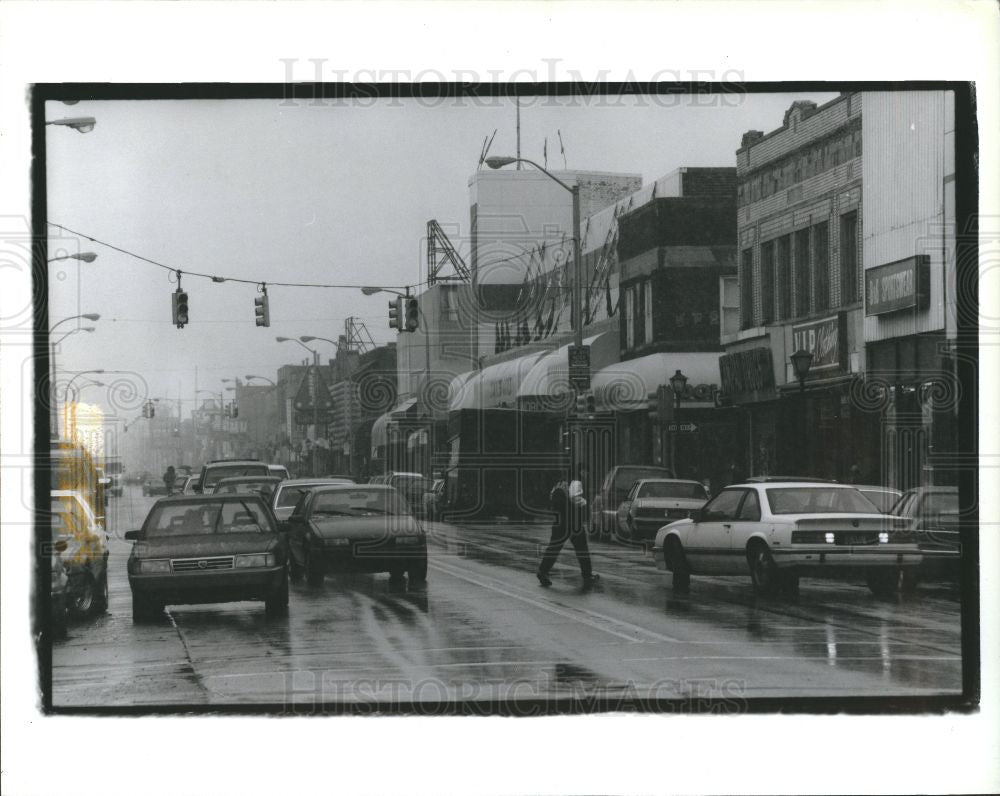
<point x="562" y="149"/>
<point x="486" y="148"/>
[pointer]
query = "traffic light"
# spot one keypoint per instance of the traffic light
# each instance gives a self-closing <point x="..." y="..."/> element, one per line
<point x="236" y="410"/>
<point x="152" y="410"/>
<point x="180" y="308"/>
<point x="261" y="310"/>
<point x="147" y="409"/>
<point x="412" y="318"/>
<point x="586" y="404"/>
<point x="395" y="313"/>
<point x="228" y="409"/>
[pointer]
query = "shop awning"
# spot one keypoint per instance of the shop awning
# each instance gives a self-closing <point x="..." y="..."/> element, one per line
<point x="628" y="386"/>
<point x="549" y="377"/>
<point x="496" y="386"/>
<point x="380" y="428"/>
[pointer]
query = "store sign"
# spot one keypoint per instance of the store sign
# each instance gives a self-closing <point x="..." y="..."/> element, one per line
<point x="747" y="374"/>
<point x="826" y="340"/>
<point x="901" y="285"/>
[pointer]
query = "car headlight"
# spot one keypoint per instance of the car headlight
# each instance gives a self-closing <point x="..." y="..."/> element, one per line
<point x="255" y="560"/>
<point x="154" y="565"/>
<point x="410" y="540"/>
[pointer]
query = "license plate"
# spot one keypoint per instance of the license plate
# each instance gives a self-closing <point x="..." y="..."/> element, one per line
<point x="858" y="538"/>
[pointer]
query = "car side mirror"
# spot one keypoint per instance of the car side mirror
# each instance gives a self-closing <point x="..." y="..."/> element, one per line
<point x="133" y="536"/>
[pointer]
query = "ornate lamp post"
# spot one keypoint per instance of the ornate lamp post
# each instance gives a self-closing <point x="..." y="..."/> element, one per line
<point x="677" y="384"/>
<point x="801" y="362"/>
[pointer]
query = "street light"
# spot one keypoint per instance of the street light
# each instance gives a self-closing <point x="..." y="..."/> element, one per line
<point x="314" y="353"/>
<point x="262" y="378"/>
<point x="801" y="362"/>
<point x="308" y="338"/>
<point x="82" y="124"/>
<point x="499" y="162"/>
<point x="90" y="316"/>
<point x="677" y="384"/>
<point x="87" y="257"/>
<point x="372" y="290"/>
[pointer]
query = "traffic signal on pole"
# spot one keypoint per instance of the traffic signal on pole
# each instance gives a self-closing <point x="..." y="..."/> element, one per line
<point x="261" y="310"/>
<point x="180" y="308"/>
<point x="236" y="410"/>
<point x="395" y="314"/>
<point x="228" y="409"/>
<point x="411" y="320"/>
<point x="581" y="404"/>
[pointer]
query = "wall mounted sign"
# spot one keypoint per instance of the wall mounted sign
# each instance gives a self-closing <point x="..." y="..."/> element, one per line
<point x="901" y="285"/>
<point x="826" y="340"/>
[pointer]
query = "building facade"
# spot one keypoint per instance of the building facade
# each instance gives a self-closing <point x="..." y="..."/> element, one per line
<point x="910" y="320"/>
<point x="800" y="208"/>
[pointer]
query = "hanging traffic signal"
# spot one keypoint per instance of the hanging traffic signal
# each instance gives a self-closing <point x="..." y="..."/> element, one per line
<point x="180" y="308"/>
<point x="148" y="409"/>
<point x="236" y="410"/>
<point x="581" y="404"/>
<point x="395" y="313"/>
<point x="228" y="409"/>
<point x="412" y="319"/>
<point x="261" y="309"/>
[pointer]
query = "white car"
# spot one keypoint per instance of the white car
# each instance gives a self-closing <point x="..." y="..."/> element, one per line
<point x="775" y="532"/>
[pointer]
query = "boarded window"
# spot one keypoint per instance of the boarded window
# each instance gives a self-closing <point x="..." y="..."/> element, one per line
<point x="849" y="258"/>
<point x="821" y="266"/>
<point x="767" y="282"/>
<point x="784" y="277"/>
<point x="803" y="282"/>
<point x="746" y="289"/>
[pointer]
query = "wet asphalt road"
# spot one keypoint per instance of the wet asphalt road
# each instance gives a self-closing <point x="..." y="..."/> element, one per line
<point x="482" y="629"/>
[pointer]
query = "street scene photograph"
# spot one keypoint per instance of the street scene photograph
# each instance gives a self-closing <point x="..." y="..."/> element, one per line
<point x="578" y="399"/>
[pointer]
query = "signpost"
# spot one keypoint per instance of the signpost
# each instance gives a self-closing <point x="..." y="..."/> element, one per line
<point x="579" y="367"/>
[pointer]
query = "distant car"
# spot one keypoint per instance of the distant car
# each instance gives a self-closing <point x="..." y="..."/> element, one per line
<point x="342" y="479"/>
<point x="615" y="486"/>
<point x="153" y="486"/>
<point x="931" y="513"/>
<point x="262" y="485"/>
<point x="207" y="549"/>
<point x="187" y="485"/>
<point x="434" y="500"/>
<point x="362" y="527"/>
<point x="215" y="471"/>
<point x="776" y="532"/>
<point x="288" y="493"/>
<point x="653" y="501"/>
<point x="412" y="486"/>
<point x="85" y="554"/>
<point x="278" y="470"/>
<point x="883" y="497"/>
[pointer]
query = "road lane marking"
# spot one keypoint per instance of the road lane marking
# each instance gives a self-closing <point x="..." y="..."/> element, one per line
<point x="564" y="611"/>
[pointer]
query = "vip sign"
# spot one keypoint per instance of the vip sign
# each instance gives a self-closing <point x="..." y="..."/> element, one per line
<point x="826" y="340"/>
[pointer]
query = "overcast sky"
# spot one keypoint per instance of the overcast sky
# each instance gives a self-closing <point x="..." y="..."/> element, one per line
<point x="332" y="194"/>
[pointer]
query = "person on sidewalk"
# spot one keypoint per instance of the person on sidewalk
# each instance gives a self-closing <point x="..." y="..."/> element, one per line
<point x="567" y="524"/>
<point x="169" y="479"/>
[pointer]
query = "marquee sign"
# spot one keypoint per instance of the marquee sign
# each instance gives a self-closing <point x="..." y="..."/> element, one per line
<point x="826" y="340"/>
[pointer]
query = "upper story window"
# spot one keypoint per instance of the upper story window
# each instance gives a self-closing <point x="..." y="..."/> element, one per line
<point x="746" y="289"/>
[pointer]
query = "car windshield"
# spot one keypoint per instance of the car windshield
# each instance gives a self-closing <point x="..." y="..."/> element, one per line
<point x="288" y="496"/>
<point x="411" y="483"/>
<point x="668" y="489"/>
<point x="207" y="517"/>
<point x="359" y="502"/>
<point x="883" y="500"/>
<point x="216" y="474"/>
<point x="627" y="476"/>
<point x="245" y="488"/>
<point x="940" y="503"/>
<point x="819" y="500"/>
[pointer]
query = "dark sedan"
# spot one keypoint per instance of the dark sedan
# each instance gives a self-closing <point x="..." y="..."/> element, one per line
<point x="366" y="528"/>
<point x="207" y="549"/>
<point x="262" y="485"/>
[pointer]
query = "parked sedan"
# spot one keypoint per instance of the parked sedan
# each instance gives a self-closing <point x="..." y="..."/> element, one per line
<point x="366" y="527"/>
<point x="207" y="549"/>
<point x="883" y="497"/>
<point x="83" y="547"/>
<point x="931" y="513"/>
<point x="615" y="486"/>
<point x="653" y="501"/>
<point x="777" y="531"/>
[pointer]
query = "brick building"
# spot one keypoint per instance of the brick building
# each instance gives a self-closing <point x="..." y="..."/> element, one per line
<point x="799" y="226"/>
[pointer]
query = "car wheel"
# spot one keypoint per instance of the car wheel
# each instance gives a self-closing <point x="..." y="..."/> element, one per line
<point x="277" y="601"/>
<point x="313" y="567"/>
<point x="678" y="565"/>
<point x="101" y="592"/>
<point x="884" y="583"/>
<point x="763" y="570"/>
<point x="84" y="595"/>
<point x="417" y="573"/>
<point x="144" y="609"/>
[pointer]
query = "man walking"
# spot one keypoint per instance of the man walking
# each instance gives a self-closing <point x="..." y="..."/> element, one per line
<point x="169" y="478"/>
<point x="570" y="508"/>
